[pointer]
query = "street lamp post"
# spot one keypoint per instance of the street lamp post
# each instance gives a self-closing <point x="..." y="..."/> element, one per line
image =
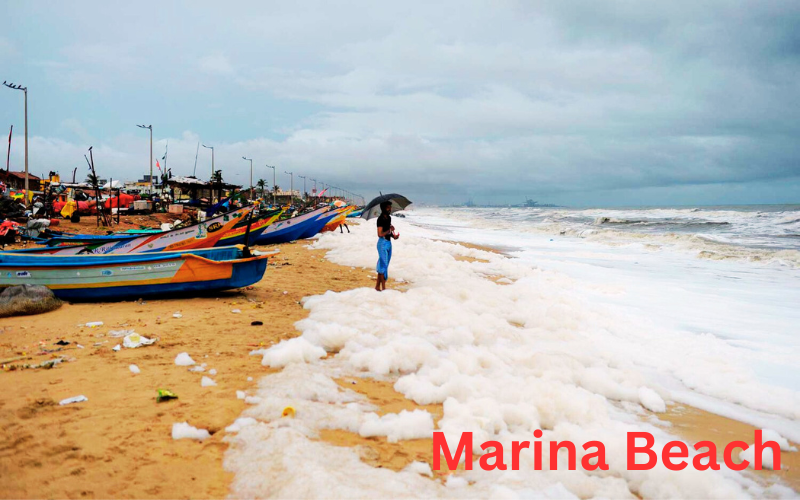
<point x="305" y="198"/>
<point x="274" y="191"/>
<point x="291" y="187"/>
<point x="315" y="187"/>
<point x="25" y="91"/>
<point x="211" y="179"/>
<point x="151" y="154"/>
<point x="251" y="176"/>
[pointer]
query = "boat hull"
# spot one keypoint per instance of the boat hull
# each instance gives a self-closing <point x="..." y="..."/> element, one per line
<point x="314" y="228"/>
<point x="203" y="235"/>
<point x="104" y="278"/>
<point x="289" y="229"/>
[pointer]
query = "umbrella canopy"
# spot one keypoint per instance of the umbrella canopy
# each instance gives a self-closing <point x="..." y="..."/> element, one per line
<point x="373" y="208"/>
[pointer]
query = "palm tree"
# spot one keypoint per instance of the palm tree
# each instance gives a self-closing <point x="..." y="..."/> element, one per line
<point x="91" y="179"/>
<point x="261" y="184"/>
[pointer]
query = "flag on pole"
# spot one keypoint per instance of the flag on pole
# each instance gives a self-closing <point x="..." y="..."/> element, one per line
<point x="158" y="166"/>
<point x="321" y="193"/>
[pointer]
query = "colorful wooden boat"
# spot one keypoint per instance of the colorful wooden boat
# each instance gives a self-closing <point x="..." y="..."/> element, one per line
<point x="132" y="276"/>
<point x="290" y="229"/>
<point x="314" y="228"/>
<point x="355" y="214"/>
<point x="238" y="234"/>
<point x="202" y="235"/>
<point x="338" y="220"/>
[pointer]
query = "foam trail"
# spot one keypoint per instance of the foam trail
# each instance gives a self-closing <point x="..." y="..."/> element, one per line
<point x="503" y="360"/>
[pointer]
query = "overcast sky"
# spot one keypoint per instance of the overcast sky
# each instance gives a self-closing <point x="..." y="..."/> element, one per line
<point x="568" y="102"/>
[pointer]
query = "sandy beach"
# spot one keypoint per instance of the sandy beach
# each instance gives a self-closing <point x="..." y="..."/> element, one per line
<point x="118" y="444"/>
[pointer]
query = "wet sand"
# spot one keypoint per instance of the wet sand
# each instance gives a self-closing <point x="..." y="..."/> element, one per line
<point x="118" y="444"/>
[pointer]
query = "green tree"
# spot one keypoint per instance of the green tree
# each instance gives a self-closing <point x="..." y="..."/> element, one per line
<point x="261" y="184"/>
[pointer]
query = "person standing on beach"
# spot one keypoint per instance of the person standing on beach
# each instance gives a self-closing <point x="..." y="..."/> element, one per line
<point x="385" y="235"/>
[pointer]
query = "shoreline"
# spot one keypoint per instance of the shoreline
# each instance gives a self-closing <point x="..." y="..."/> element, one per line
<point x="119" y="440"/>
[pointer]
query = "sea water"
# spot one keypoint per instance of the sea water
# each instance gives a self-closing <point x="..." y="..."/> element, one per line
<point x="585" y="328"/>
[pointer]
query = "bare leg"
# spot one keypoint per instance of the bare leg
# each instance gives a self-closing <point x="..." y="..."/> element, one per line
<point x="381" y="281"/>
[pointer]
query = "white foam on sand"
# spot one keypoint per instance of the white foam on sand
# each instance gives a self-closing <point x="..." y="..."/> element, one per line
<point x="503" y="359"/>
<point x="183" y="359"/>
<point x="185" y="431"/>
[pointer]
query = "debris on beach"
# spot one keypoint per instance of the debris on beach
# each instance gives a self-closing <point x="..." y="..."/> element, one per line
<point x="183" y="359"/>
<point x="185" y="431"/>
<point x="120" y="333"/>
<point x="207" y="382"/>
<point x="165" y="395"/>
<point x="93" y="324"/>
<point x="74" y="399"/>
<point x="134" y="340"/>
<point x="117" y="347"/>
<point x="177" y="315"/>
<point x="212" y="371"/>
<point x="236" y="311"/>
<point x="288" y="412"/>
<point x="134" y="369"/>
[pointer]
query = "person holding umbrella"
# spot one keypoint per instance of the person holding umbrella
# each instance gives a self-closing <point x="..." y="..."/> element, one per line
<point x="384" y="205"/>
<point x="385" y="235"/>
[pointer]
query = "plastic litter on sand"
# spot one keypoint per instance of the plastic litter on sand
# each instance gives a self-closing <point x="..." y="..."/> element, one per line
<point x="74" y="399"/>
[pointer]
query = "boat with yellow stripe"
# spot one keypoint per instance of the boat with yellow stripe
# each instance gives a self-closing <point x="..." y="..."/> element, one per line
<point x="133" y="276"/>
<point x="201" y="235"/>
<point x="338" y="220"/>
<point x="239" y="234"/>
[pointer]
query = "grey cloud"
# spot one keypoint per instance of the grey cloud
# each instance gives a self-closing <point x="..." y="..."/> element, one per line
<point x="483" y="98"/>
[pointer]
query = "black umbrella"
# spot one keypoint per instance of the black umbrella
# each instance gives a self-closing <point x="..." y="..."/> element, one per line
<point x="373" y="208"/>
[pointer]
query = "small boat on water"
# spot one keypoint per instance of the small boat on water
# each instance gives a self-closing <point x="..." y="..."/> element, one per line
<point x="133" y="276"/>
<point x="201" y="235"/>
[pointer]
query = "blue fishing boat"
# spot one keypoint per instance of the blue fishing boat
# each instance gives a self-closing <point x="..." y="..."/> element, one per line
<point x="201" y="235"/>
<point x="316" y="226"/>
<point x="132" y="276"/>
<point x="289" y="229"/>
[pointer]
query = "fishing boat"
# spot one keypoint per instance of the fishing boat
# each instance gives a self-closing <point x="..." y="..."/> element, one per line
<point x="202" y="235"/>
<point x="320" y="223"/>
<point x="241" y="235"/>
<point x="133" y="276"/>
<point x="290" y="229"/>
<point x="355" y="214"/>
<point x="338" y="220"/>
